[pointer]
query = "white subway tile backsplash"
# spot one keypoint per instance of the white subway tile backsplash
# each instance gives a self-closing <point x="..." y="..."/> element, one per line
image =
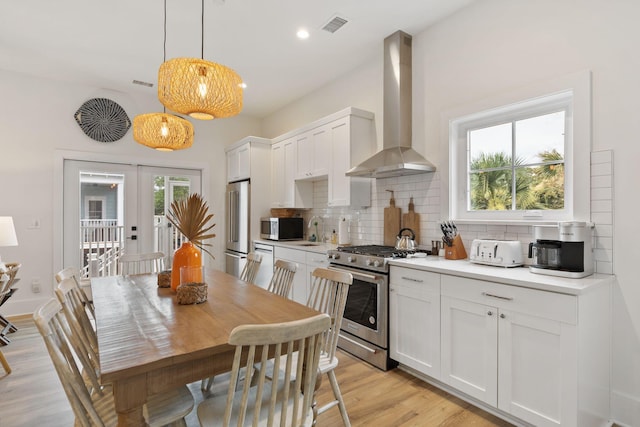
<point x="367" y="223"/>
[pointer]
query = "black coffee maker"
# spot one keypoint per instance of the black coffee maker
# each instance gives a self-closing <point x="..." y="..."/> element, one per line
<point x="570" y="255"/>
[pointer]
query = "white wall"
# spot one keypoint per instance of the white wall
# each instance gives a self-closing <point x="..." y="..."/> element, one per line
<point x="36" y="119"/>
<point x="495" y="46"/>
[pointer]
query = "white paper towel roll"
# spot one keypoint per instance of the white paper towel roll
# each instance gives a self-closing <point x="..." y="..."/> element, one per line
<point x="343" y="232"/>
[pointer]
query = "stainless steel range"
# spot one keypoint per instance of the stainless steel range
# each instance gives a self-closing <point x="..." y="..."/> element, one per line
<point x="365" y="331"/>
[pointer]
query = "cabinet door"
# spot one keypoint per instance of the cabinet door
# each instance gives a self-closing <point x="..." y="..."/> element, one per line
<point x="239" y="163"/>
<point x="414" y="321"/>
<point x="469" y="348"/>
<point x="244" y="162"/>
<point x="304" y="156"/>
<point x="321" y="145"/>
<point x="282" y="179"/>
<point x="339" y="192"/>
<point x="537" y="370"/>
<point x="277" y="175"/>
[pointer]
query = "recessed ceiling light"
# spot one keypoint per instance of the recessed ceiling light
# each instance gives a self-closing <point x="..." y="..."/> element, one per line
<point x="243" y="85"/>
<point x="302" y="34"/>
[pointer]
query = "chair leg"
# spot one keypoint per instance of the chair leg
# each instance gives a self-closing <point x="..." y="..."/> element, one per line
<point x="4" y="363"/>
<point x="336" y="392"/>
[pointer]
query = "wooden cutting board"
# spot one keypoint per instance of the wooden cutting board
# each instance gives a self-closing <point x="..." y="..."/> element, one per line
<point x="392" y="219"/>
<point x="412" y="220"/>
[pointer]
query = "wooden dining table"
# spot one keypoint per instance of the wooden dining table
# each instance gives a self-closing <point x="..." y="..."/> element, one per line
<point x="148" y="343"/>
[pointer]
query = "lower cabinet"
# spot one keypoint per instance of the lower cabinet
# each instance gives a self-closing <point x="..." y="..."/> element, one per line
<point x="414" y="319"/>
<point x="307" y="262"/>
<point x="541" y="357"/>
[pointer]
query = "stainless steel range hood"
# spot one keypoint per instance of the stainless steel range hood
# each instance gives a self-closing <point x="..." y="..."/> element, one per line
<point x="397" y="157"/>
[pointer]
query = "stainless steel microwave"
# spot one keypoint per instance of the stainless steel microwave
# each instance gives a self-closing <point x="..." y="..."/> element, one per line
<point x="281" y="228"/>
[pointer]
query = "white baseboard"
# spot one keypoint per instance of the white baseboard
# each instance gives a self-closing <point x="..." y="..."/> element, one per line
<point x="625" y="409"/>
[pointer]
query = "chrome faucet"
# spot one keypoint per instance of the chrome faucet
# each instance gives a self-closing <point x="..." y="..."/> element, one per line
<point x="313" y="222"/>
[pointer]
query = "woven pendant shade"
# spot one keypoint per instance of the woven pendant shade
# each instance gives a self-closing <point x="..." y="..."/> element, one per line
<point x="202" y="89"/>
<point x="162" y="131"/>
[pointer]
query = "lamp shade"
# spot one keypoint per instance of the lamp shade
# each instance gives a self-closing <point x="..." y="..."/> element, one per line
<point x="162" y="131"/>
<point x="202" y="89"/>
<point x="7" y="232"/>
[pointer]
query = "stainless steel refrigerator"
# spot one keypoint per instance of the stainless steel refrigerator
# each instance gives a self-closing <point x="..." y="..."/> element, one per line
<point x="237" y="230"/>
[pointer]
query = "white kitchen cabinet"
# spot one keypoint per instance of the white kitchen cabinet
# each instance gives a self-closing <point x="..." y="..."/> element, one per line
<point x="347" y="136"/>
<point x="307" y="261"/>
<point x="299" y="286"/>
<point x="414" y="319"/>
<point x="329" y="147"/>
<point x="313" y="153"/>
<point x="283" y="156"/>
<point x="248" y="158"/>
<point x="525" y="351"/>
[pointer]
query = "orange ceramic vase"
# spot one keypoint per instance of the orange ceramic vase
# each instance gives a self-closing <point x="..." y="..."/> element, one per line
<point x="187" y="255"/>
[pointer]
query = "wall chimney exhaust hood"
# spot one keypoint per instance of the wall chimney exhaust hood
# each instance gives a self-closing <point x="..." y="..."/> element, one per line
<point x="397" y="158"/>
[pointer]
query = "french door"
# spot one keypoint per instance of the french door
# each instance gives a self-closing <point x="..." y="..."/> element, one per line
<point x="112" y="208"/>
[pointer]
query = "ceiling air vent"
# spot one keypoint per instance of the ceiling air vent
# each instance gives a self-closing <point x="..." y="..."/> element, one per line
<point x="334" y="24"/>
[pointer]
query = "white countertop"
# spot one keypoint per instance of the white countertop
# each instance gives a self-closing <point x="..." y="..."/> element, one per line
<point x="518" y="276"/>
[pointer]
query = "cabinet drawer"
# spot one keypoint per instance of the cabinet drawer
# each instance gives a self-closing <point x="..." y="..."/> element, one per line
<point x="548" y="305"/>
<point x="294" y="255"/>
<point x="315" y="260"/>
<point x="420" y="280"/>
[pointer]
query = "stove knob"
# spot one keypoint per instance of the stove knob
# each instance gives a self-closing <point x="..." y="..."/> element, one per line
<point x="367" y="262"/>
<point x="351" y="259"/>
<point x="376" y="263"/>
<point x="335" y="256"/>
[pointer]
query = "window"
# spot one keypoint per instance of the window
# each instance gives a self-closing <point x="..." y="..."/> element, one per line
<point x="520" y="161"/>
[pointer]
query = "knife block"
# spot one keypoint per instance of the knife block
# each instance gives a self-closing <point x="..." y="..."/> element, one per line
<point x="456" y="250"/>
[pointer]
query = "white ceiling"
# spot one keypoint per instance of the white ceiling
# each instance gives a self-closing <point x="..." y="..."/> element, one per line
<point x="109" y="44"/>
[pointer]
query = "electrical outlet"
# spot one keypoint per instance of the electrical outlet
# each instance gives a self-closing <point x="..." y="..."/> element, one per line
<point x="35" y="286"/>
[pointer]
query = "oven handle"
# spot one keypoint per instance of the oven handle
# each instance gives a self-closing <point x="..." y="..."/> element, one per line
<point x="355" y="274"/>
<point x="370" y="350"/>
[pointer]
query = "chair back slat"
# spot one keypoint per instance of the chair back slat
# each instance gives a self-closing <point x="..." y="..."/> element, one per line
<point x="282" y="279"/>
<point x="250" y="269"/>
<point x="328" y="294"/>
<point x="73" y="273"/>
<point x="141" y="263"/>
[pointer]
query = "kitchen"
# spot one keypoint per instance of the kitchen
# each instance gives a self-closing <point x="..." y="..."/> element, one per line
<point x="593" y="36"/>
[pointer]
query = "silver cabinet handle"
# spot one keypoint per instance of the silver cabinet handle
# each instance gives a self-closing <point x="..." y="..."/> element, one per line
<point x="490" y="313"/>
<point x="412" y="279"/>
<point x="502" y="316"/>
<point x="486" y="294"/>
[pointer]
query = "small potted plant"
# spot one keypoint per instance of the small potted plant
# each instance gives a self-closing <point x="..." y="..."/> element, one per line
<point x="191" y="217"/>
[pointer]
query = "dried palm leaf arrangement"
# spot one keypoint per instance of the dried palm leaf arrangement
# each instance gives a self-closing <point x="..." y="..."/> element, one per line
<point x="191" y="217"/>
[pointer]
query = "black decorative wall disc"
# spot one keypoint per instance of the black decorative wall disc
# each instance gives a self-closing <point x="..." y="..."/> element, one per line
<point x="103" y="120"/>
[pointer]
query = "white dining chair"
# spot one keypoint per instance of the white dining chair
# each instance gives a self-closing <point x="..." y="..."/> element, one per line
<point x="250" y="269"/>
<point x="93" y="408"/>
<point x="83" y="287"/>
<point x="152" y="262"/>
<point x="282" y="279"/>
<point x="286" y="399"/>
<point x="329" y="291"/>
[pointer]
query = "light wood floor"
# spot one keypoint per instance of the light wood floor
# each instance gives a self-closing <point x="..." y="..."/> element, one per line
<point x="32" y="395"/>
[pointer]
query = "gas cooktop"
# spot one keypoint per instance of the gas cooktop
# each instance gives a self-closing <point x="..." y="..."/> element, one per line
<point x="370" y="257"/>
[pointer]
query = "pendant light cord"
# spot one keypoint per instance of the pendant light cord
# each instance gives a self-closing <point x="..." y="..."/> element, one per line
<point x="202" y="31"/>
<point x="164" y="45"/>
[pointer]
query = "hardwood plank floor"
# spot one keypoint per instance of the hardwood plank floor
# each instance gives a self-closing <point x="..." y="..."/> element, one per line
<point x="32" y="395"/>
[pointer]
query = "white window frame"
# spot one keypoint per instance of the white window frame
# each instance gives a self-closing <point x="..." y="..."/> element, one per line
<point x="570" y="92"/>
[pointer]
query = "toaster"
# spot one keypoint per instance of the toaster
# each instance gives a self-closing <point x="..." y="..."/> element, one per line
<point x="501" y="253"/>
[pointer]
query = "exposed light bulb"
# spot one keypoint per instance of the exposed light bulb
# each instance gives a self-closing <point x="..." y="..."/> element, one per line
<point x="164" y="128"/>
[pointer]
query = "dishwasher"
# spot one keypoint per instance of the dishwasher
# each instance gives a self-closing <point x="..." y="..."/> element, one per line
<point x="266" y="266"/>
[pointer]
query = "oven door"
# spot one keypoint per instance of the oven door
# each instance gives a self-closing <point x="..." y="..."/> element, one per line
<point x="366" y="311"/>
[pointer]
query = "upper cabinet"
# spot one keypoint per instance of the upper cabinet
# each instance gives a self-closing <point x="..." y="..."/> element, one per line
<point x="244" y="154"/>
<point x="283" y="155"/>
<point x="327" y="149"/>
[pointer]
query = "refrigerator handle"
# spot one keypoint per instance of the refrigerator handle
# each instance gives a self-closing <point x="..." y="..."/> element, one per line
<point x="233" y="216"/>
<point x="234" y="255"/>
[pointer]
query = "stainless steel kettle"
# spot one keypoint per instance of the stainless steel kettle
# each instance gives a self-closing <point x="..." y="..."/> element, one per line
<point x="406" y="242"/>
